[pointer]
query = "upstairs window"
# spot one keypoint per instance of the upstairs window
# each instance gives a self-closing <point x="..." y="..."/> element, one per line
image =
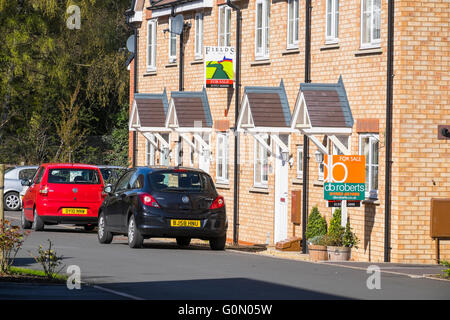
<point x="262" y="29"/>
<point x="224" y="26"/>
<point x="172" y="44"/>
<point x="332" y="19"/>
<point x="370" y="23"/>
<point x="151" y="45"/>
<point x="293" y="24"/>
<point x="199" y="36"/>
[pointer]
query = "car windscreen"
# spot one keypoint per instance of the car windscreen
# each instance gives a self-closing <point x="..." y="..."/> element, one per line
<point x="73" y="176"/>
<point x="179" y="181"/>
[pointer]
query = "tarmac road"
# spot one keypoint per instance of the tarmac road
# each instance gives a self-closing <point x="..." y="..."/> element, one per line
<point x="163" y="271"/>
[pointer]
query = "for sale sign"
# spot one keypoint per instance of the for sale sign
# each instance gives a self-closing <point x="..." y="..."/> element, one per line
<point x="344" y="177"/>
<point x="219" y="67"/>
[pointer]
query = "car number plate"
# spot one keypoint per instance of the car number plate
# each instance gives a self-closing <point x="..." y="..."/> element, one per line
<point x="74" y="211"/>
<point x="185" y="223"/>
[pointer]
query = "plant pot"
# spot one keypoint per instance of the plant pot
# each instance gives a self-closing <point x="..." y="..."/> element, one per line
<point x="317" y="253"/>
<point x="338" y="253"/>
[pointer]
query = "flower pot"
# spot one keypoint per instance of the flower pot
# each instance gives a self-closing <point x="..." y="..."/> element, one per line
<point x="317" y="253"/>
<point x="338" y="253"/>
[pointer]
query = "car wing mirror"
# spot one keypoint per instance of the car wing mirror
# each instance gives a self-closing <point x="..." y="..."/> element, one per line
<point x="108" y="189"/>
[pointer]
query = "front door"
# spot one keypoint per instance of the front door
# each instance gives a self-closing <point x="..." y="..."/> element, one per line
<point x="281" y="193"/>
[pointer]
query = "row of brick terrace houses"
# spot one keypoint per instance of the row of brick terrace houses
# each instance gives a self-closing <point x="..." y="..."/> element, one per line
<point x="342" y="108"/>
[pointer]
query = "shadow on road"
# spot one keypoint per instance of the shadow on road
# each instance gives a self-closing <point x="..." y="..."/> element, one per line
<point x="217" y="289"/>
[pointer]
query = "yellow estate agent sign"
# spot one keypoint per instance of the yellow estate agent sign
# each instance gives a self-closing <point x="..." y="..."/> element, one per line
<point x="344" y="177"/>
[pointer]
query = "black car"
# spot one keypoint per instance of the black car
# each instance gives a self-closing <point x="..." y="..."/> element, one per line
<point x="167" y="202"/>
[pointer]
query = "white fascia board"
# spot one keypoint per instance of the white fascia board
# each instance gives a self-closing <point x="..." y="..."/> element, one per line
<point x="169" y="116"/>
<point x="298" y="107"/>
<point x="154" y="129"/>
<point x="327" y="131"/>
<point x="245" y="106"/>
<point x="134" y="111"/>
<point x="193" y="130"/>
<point x="270" y="130"/>
<point x="137" y="17"/>
<point x="339" y="145"/>
<point x="194" y="5"/>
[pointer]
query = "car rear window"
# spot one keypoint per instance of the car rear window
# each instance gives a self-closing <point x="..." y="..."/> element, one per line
<point x="179" y="181"/>
<point x="73" y="176"/>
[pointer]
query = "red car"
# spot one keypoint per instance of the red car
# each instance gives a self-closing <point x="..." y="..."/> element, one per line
<point x="63" y="194"/>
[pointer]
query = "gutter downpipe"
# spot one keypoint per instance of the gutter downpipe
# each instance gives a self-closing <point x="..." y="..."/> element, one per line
<point x="308" y="9"/>
<point x="236" y="134"/>
<point x="389" y="107"/>
<point x="135" y="28"/>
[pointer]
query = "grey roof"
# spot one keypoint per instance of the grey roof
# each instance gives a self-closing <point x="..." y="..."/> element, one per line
<point x="327" y="104"/>
<point x="269" y="106"/>
<point x="192" y="106"/>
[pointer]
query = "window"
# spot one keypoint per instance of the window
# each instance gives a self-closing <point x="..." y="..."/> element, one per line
<point x="150" y="153"/>
<point x="39" y="175"/>
<point x="199" y="36"/>
<point x="124" y="182"/>
<point x="73" y="176"/>
<point x="299" y="161"/>
<point x="261" y="163"/>
<point x="179" y="153"/>
<point x="172" y="44"/>
<point x="332" y="17"/>
<point x="224" y="26"/>
<point x="368" y="146"/>
<point x="177" y="181"/>
<point x="164" y="154"/>
<point x="262" y="29"/>
<point x="151" y="45"/>
<point x="370" y="23"/>
<point x="321" y="170"/>
<point x="26" y="174"/>
<point x="293" y="24"/>
<point x="137" y="182"/>
<point x="222" y="158"/>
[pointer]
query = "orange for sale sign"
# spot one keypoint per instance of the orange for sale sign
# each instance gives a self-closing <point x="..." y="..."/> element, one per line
<point x="344" y="177"/>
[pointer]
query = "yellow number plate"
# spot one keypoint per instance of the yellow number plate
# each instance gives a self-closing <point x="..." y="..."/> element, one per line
<point x="74" y="211"/>
<point x="185" y="223"/>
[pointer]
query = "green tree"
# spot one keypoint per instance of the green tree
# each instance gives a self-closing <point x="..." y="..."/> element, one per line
<point x="317" y="225"/>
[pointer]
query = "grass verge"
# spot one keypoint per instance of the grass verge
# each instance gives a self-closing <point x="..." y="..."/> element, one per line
<point x="18" y="274"/>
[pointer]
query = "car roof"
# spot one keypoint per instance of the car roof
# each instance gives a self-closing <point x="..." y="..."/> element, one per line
<point x="69" y="165"/>
<point x="165" y="168"/>
<point x="109" y="167"/>
<point x="24" y="167"/>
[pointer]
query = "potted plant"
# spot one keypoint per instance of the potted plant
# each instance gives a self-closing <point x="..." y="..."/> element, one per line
<point x="340" y="240"/>
<point x="316" y="229"/>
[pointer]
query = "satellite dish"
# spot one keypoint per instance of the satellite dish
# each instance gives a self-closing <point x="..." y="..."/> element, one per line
<point x="176" y="24"/>
<point x="130" y="44"/>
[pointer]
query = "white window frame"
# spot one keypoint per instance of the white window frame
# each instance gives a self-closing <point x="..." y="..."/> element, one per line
<point x="262" y="52"/>
<point x="372" y="42"/>
<point x="151" y="48"/>
<point x="261" y="155"/>
<point x="198" y="43"/>
<point x="299" y="161"/>
<point x="222" y="148"/>
<point x="373" y="138"/>
<point x="332" y="21"/>
<point x="172" y="43"/>
<point x="293" y="24"/>
<point x="224" y="27"/>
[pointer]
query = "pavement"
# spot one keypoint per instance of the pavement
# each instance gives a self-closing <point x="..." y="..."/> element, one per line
<point x="163" y="271"/>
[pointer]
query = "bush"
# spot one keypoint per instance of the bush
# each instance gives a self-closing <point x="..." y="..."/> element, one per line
<point x="317" y="225"/>
<point x="336" y="231"/>
<point x="49" y="261"/>
<point x="11" y="240"/>
<point x="446" y="271"/>
<point x="350" y="239"/>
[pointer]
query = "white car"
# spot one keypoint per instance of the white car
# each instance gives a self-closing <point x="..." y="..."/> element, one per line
<point x="13" y="185"/>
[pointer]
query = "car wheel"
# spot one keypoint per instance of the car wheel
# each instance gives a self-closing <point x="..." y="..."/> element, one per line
<point x="218" y="243"/>
<point x="104" y="236"/>
<point x="38" y="224"/>
<point x="12" y="201"/>
<point x="183" y="241"/>
<point x="135" y="239"/>
<point x="24" y="222"/>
